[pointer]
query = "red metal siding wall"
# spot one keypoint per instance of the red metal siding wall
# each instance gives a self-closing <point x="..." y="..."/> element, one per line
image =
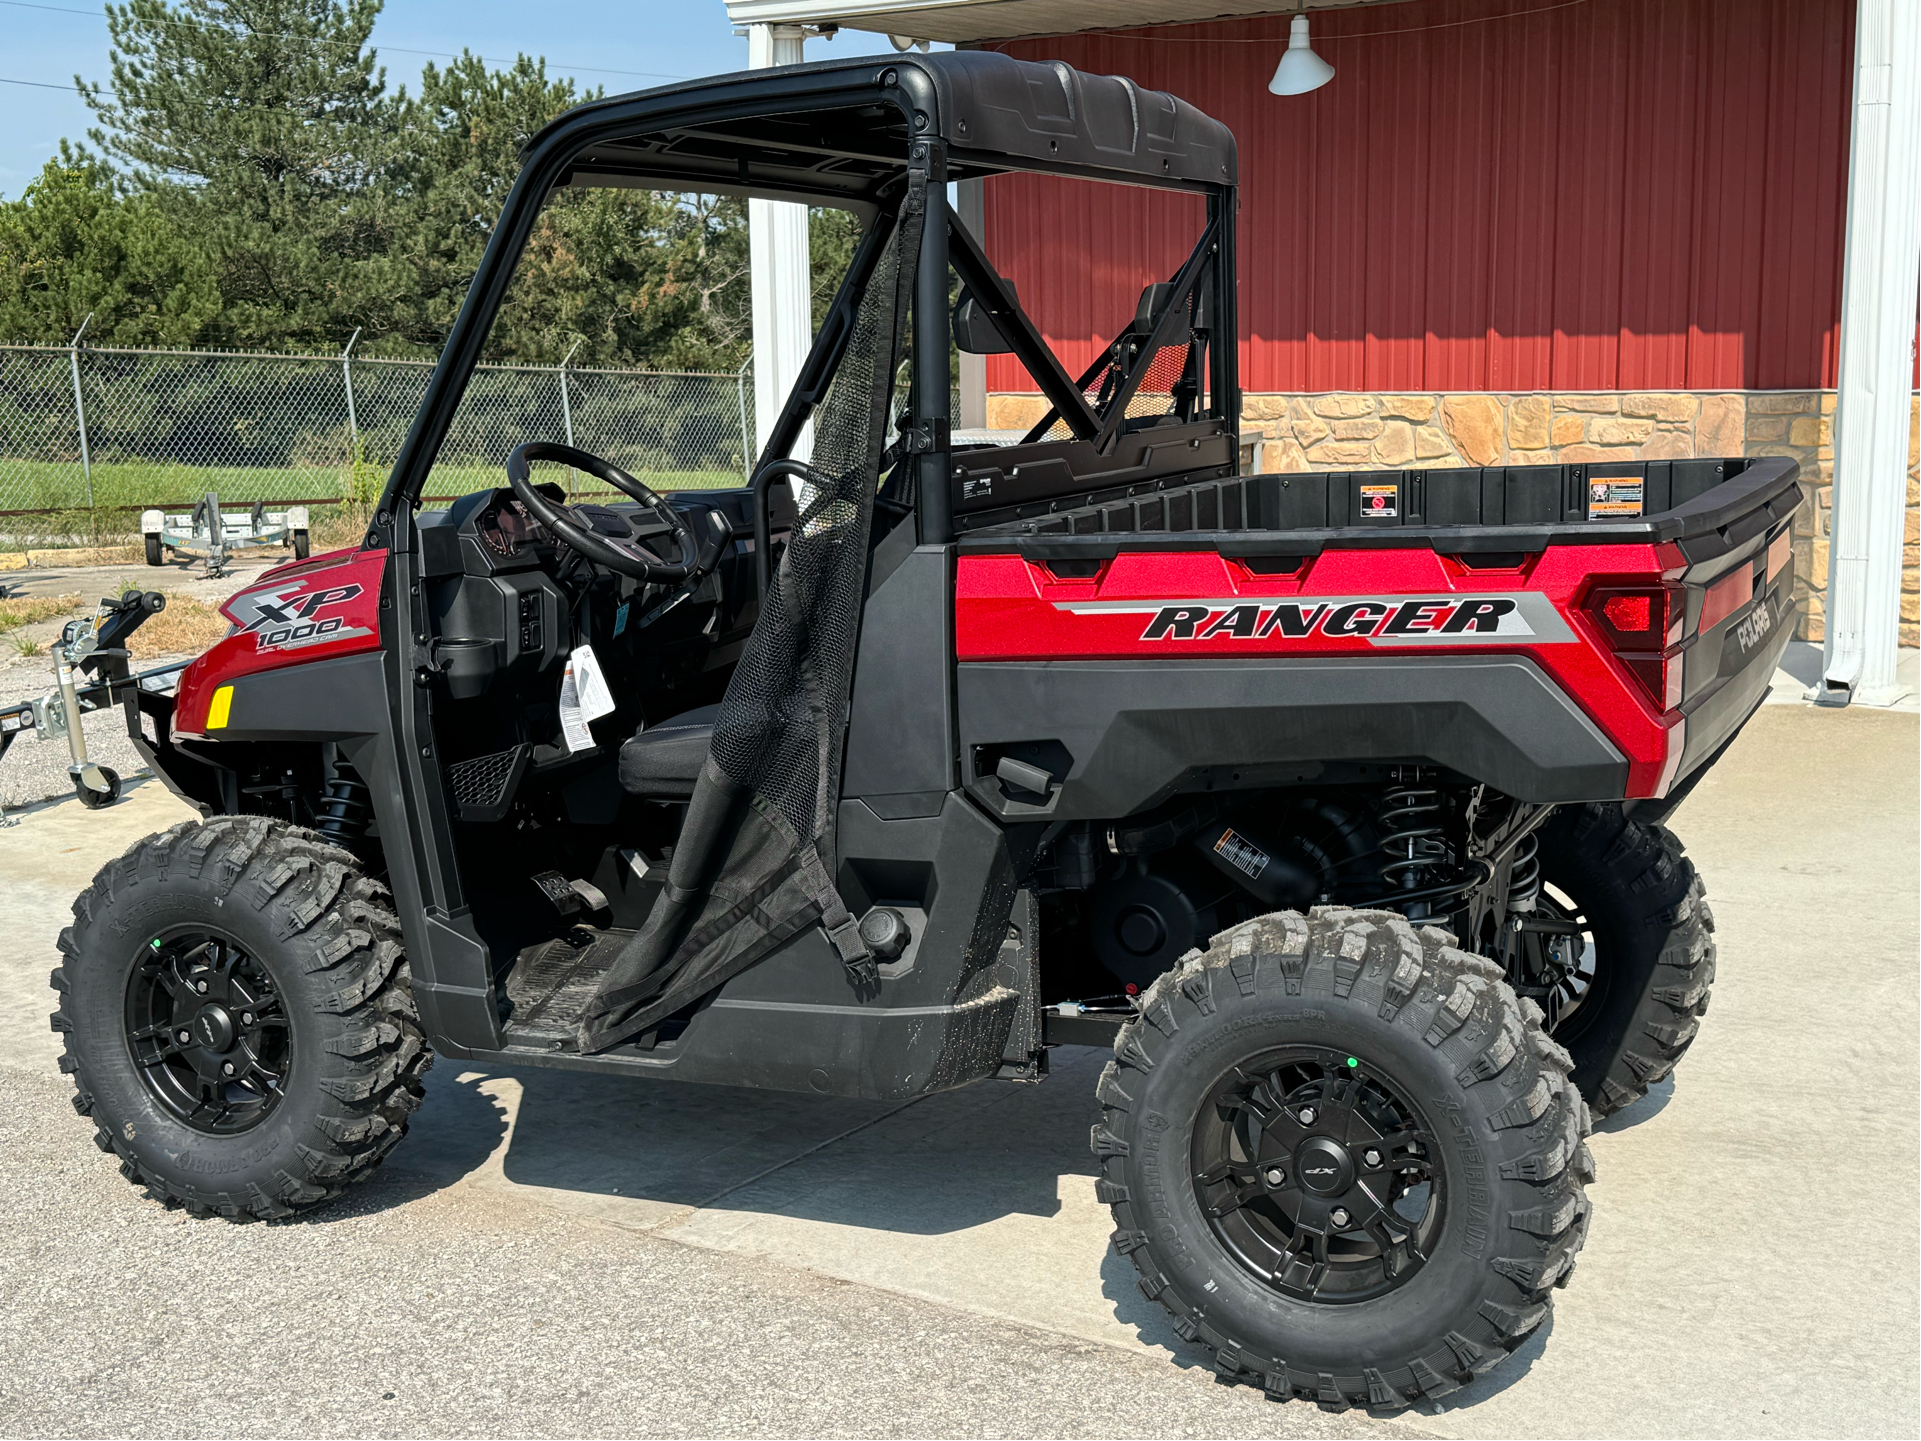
<point x="1618" y="194"/>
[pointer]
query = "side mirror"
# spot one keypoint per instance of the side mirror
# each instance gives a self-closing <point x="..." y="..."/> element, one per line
<point x="974" y="329"/>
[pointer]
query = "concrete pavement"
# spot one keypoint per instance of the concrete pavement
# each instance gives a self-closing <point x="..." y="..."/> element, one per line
<point x="1751" y="1269"/>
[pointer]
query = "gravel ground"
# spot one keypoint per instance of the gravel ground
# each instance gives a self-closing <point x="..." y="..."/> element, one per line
<point x="36" y="770"/>
<point x="419" y="1308"/>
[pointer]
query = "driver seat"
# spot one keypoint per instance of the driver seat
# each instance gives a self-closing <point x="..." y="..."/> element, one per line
<point x="663" y="761"/>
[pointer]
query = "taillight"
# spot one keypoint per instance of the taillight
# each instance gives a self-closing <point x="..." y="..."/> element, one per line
<point x="1642" y="625"/>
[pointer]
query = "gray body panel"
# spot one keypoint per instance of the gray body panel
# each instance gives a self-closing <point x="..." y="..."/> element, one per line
<point x="1137" y="730"/>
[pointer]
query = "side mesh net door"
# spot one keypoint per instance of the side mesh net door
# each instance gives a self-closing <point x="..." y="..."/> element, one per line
<point x="753" y="864"/>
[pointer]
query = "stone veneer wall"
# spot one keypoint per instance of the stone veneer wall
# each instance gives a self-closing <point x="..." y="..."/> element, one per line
<point x="1347" y="430"/>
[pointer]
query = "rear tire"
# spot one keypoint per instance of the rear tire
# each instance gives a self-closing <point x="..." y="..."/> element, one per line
<point x="300" y="546"/>
<point x="154" y="554"/>
<point x="1411" y="1028"/>
<point x="311" y="945"/>
<point x="1654" y="954"/>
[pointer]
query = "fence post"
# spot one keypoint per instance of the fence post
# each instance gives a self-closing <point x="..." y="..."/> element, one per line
<point x="80" y="406"/>
<point x="353" y="421"/>
<point x="566" y="411"/>
<point x="746" y="445"/>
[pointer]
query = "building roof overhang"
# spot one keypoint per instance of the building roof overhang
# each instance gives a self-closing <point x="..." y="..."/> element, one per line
<point x="964" y="21"/>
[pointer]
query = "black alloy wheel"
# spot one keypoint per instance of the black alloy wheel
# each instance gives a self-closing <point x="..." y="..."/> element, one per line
<point x="207" y="1032"/>
<point x="1317" y="1174"/>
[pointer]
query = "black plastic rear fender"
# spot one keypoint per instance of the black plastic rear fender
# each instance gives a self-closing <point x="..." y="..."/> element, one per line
<point x="1135" y="730"/>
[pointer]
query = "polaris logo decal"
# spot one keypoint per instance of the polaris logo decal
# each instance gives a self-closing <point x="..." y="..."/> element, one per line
<point x="1381" y="620"/>
<point x="286" y="618"/>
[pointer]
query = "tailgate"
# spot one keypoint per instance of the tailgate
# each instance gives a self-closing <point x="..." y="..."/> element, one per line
<point x="1739" y="597"/>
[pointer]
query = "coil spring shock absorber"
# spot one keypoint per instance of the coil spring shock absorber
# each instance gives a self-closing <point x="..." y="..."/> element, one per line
<point x="1414" y="839"/>
<point x="1524" y="875"/>
<point x="347" y="806"/>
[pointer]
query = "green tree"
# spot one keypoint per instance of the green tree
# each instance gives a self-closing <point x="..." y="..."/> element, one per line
<point x="263" y="128"/>
<point x="77" y="243"/>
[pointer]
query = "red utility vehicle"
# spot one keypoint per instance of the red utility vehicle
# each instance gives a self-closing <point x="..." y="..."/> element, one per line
<point x="1332" y="803"/>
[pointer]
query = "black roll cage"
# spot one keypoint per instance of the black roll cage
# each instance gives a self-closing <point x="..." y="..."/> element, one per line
<point x="857" y="135"/>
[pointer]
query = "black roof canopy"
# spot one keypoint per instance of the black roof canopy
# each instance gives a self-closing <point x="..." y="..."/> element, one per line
<point x="839" y="130"/>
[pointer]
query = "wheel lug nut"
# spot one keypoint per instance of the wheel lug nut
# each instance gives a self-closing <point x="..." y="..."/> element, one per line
<point x="1371" y="1157"/>
<point x="1274" y="1176"/>
<point x="1308" y="1113"/>
<point x="227" y="1070"/>
<point x="186" y="1037"/>
<point x="200" y="986"/>
<point x="1339" y="1216"/>
<point x="246" y="1019"/>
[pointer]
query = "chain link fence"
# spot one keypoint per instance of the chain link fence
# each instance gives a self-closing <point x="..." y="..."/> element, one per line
<point x="98" y="429"/>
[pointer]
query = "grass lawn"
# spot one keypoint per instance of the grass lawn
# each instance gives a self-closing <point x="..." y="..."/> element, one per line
<point x="121" y="489"/>
<point x="44" y="485"/>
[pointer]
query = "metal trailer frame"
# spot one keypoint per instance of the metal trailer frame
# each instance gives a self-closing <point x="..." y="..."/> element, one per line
<point x="210" y="534"/>
<point x="89" y="646"/>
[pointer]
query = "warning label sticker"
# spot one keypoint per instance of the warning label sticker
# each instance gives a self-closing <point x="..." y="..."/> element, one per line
<point x="1241" y="853"/>
<point x="1615" y="495"/>
<point x="1379" y="501"/>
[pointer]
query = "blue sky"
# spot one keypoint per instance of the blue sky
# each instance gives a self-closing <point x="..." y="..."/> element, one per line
<point x="47" y="44"/>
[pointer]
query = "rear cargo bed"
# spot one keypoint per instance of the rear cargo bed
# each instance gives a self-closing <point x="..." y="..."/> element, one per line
<point x="1707" y="506"/>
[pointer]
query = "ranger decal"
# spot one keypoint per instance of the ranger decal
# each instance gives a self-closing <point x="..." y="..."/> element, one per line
<point x="1377" y="619"/>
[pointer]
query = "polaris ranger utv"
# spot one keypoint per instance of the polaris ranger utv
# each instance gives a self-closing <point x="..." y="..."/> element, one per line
<point x="1330" y="802"/>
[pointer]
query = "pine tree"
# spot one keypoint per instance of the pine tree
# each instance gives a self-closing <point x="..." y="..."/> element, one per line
<point x="76" y="244"/>
<point x="265" y="130"/>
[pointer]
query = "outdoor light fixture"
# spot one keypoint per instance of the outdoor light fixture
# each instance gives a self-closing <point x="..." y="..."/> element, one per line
<point x="1300" y="70"/>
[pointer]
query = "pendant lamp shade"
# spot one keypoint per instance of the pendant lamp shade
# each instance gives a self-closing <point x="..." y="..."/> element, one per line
<point x="1300" y="70"/>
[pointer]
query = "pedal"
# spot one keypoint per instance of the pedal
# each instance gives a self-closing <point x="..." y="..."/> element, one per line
<point x="572" y="897"/>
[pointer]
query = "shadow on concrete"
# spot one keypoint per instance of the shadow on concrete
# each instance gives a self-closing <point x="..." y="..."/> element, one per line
<point x="451" y="1136"/>
<point x="1643" y="1110"/>
<point x="934" y="1165"/>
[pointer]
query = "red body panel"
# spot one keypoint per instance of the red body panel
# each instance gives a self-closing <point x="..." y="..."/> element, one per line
<point x="315" y="609"/>
<point x="1150" y="605"/>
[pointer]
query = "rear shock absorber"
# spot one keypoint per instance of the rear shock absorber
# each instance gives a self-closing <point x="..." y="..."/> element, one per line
<point x="1413" y="838"/>
<point x="1524" y="875"/>
<point x="347" y="806"/>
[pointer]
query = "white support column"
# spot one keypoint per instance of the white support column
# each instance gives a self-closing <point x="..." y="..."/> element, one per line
<point x="777" y="251"/>
<point x="970" y="205"/>
<point x="1879" y="277"/>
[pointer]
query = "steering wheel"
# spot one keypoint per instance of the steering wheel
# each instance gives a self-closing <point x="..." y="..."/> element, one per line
<point x="604" y="536"/>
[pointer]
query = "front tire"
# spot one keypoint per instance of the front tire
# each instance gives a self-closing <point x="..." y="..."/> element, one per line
<point x="154" y="555"/>
<point x="237" y="1018"/>
<point x="1351" y="1061"/>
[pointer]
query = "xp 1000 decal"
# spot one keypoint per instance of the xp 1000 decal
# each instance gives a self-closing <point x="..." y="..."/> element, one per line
<point x="1382" y="620"/>
<point x="297" y="613"/>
